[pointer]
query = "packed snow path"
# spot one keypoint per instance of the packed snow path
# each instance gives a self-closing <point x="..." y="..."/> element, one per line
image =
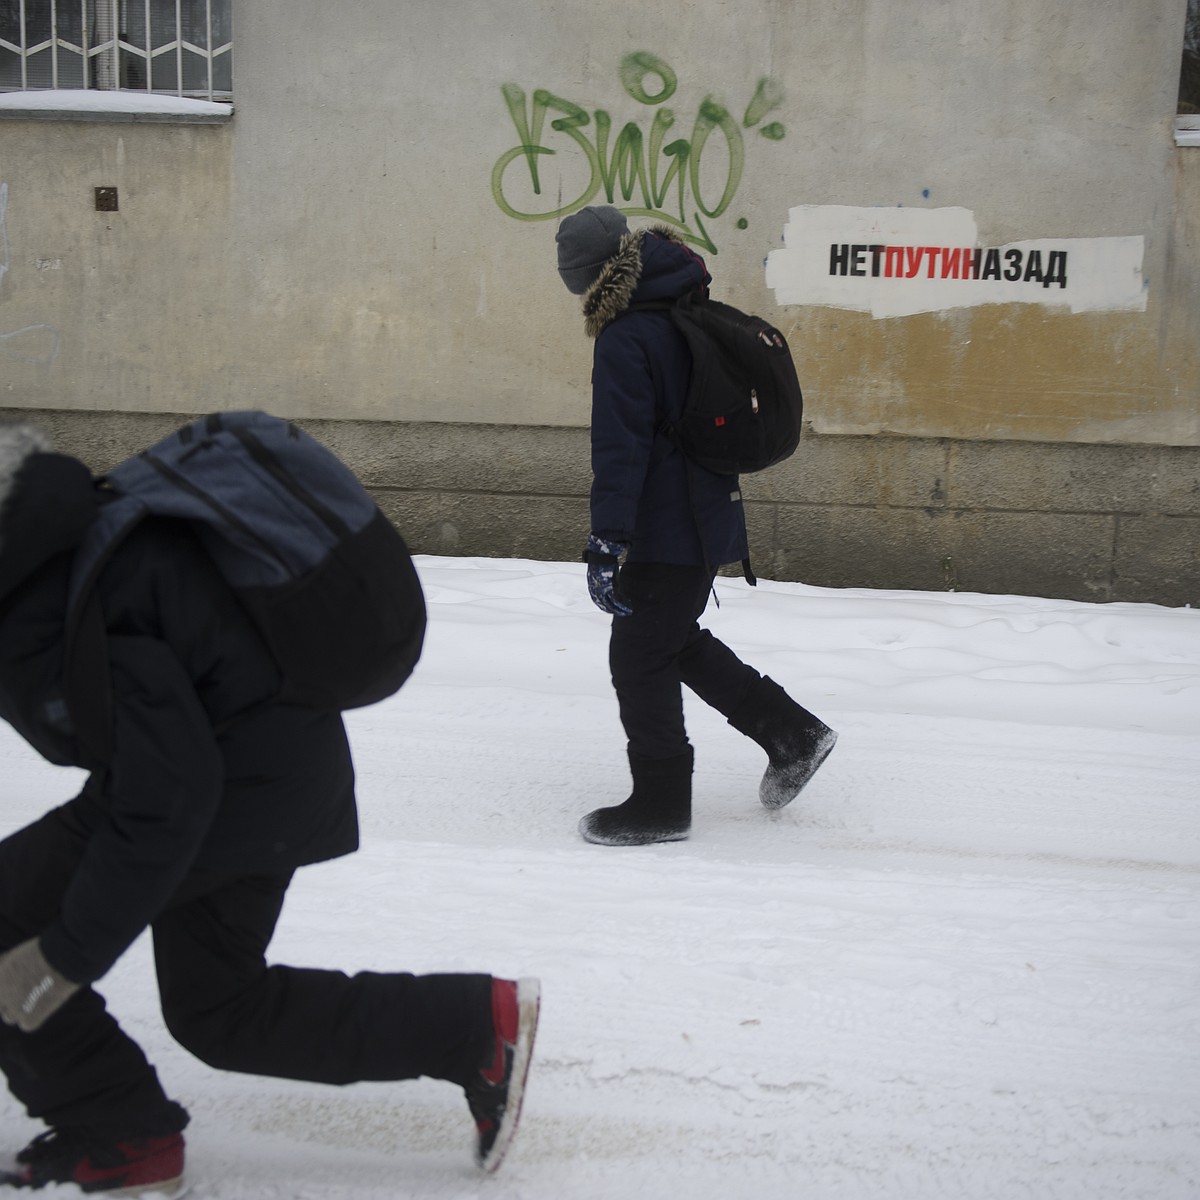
<point x="963" y="964"/>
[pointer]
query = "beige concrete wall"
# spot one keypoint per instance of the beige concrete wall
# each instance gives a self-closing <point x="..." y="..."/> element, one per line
<point x="347" y="247"/>
<point x="1082" y="522"/>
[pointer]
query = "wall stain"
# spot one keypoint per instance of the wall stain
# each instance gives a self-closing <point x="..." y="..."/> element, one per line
<point x="36" y="344"/>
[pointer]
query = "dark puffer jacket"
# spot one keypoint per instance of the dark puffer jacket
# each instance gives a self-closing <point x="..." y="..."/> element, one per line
<point x="640" y="373"/>
<point x="206" y="772"/>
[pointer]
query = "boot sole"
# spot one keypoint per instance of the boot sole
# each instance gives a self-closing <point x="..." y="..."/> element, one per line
<point x="632" y="839"/>
<point x="822" y="753"/>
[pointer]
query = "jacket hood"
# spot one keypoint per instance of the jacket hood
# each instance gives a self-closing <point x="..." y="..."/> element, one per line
<point x="650" y="264"/>
<point x="47" y="502"/>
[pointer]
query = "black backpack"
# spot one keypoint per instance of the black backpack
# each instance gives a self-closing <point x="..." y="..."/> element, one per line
<point x="744" y="405"/>
<point x="320" y="569"/>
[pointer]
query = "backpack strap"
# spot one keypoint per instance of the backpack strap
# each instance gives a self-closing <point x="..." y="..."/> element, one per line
<point x="87" y="681"/>
<point x="87" y="677"/>
<point x="747" y="570"/>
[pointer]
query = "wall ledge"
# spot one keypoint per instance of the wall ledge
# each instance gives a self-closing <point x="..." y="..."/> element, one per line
<point x="111" y="107"/>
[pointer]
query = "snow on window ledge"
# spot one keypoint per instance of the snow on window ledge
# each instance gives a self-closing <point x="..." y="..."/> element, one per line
<point x="91" y="105"/>
<point x="1187" y="130"/>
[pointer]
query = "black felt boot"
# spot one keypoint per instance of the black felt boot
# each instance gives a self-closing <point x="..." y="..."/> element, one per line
<point x="796" y="742"/>
<point x="658" y="810"/>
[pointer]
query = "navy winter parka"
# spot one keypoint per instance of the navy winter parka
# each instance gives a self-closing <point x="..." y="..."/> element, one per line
<point x="640" y="372"/>
<point x="208" y="771"/>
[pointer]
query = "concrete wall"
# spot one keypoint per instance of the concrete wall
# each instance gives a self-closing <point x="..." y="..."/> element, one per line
<point x="363" y="242"/>
<point x="1084" y="522"/>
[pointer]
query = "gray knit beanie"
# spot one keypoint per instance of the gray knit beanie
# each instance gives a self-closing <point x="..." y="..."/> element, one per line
<point x="586" y="241"/>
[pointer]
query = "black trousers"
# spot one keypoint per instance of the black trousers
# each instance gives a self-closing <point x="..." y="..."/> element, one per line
<point x="220" y="1000"/>
<point x="659" y="647"/>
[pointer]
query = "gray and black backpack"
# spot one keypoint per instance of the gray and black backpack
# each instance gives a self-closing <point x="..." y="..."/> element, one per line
<point x="322" y="572"/>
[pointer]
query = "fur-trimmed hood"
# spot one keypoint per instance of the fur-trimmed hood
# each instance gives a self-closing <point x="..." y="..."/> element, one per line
<point x="650" y="264"/>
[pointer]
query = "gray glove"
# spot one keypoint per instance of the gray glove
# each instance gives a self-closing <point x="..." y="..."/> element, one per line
<point x="30" y="988"/>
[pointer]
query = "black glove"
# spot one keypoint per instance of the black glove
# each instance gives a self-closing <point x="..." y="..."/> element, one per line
<point x="603" y="571"/>
<point x="30" y="988"/>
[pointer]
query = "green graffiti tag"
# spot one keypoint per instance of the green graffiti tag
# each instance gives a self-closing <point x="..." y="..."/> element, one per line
<point x="641" y="173"/>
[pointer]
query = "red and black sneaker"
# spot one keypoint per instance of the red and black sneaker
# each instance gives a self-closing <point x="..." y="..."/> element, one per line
<point x="128" y="1167"/>
<point x="495" y="1094"/>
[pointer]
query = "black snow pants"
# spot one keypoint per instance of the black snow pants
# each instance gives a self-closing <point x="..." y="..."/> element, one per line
<point x="659" y="647"/>
<point x="220" y="1000"/>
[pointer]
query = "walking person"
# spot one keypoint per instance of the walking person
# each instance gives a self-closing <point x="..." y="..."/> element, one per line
<point x="214" y="794"/>
<point x="659" y="528"/>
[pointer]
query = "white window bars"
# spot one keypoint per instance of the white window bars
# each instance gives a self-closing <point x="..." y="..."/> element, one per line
<point x="173" y="47"/>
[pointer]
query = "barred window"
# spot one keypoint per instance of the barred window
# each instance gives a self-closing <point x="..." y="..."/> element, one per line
<point x="172" y="47"/>
<point x="1189" y="75"/>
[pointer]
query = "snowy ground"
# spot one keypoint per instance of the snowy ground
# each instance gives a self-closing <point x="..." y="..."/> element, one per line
<point x="963" y="964"/>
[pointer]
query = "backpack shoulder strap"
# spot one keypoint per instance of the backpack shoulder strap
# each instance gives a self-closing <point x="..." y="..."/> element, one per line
<point x="647" y="306"/>
<point x="87" y="679"/>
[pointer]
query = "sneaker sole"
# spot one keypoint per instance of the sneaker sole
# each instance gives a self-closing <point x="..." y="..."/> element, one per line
<point x="529" y="1004"/>
<point x="175" y="1188"/>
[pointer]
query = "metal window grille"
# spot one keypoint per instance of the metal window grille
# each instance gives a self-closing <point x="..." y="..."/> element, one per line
<point x="173" y="47"/>
<point x="1189" y="74"/>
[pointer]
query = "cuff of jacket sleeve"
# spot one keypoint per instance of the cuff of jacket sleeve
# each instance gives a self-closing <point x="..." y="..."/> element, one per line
<point x="58" y="952"/>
